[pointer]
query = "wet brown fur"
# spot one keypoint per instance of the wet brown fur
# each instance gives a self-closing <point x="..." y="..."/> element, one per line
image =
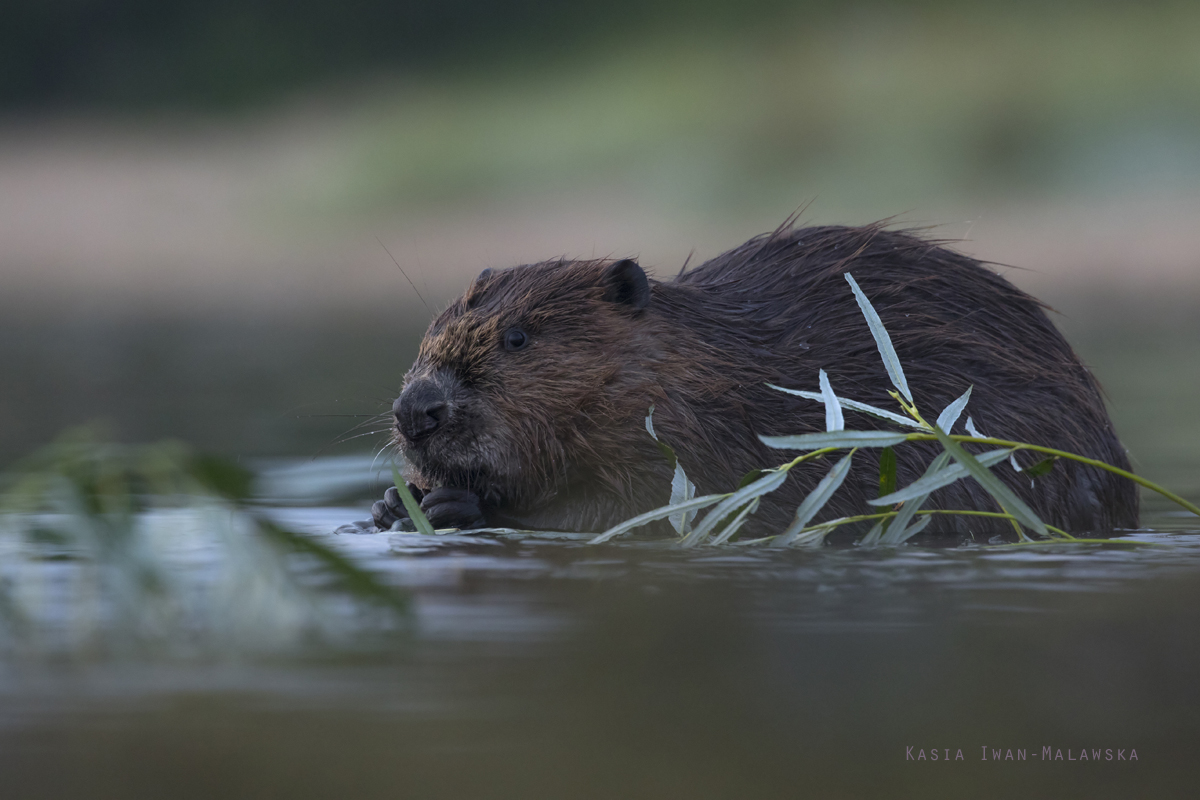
<point x="552" y="437"/>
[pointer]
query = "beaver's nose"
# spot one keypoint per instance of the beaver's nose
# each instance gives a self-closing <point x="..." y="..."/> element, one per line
<point x="420" y="410"/>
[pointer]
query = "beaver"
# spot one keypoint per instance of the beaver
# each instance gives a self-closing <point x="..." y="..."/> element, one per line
<point x="525" y="407"/>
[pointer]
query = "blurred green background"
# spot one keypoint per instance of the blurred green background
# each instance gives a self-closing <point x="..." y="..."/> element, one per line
<point x="196" y="198"/>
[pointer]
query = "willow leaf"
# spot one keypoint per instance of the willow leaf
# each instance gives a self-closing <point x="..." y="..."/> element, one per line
<point x="933" y="480"/>
<point x="875" y="535"/>
<point x="664" y="448"/>
<point x="898" y="530"/>
<point x="657" y="514"/>
<point x="1007" y="499"/>
<point x="682" y="490"/>
<point x="853" y="405"/>
<point x="817" y="441"/>
<point x="913" y="530"/>
<point x="883" y="341"/>
<point x="887" y="471"/>
<point x="769" y="482"/>
<point x="952" y="412"/>
<point x="833" y="411"/>
<point x="1041" y="468"/>
<point x="816" y="500"/>
<point x="732" y="528"/>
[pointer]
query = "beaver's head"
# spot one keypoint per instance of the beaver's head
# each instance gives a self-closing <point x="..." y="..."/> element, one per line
<point x="523" y="381"/>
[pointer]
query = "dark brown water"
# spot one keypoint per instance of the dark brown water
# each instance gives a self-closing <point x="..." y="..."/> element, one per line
<point x="547" y="668"/>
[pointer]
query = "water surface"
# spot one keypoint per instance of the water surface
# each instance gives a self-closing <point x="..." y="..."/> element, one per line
<point x="545" y="667"/>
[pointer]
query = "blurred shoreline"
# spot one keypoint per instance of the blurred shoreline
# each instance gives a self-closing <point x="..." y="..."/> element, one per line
<point x="110" y="225"/>
<point x="1064" y="145"/>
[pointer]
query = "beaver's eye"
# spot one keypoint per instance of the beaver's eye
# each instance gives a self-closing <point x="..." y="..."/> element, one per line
<point x="515" y="339"/>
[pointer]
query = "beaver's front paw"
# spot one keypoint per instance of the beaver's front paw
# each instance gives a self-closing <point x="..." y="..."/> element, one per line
<point x="385" y="512"/>
<point x="453" y="508"/>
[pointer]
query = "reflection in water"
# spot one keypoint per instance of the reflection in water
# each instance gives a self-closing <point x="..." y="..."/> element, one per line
<point x="543" y="667"/>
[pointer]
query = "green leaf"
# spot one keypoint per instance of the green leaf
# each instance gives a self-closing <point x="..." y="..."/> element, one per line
<point x="818" y="441"/>
<point x="750" y="477"/>
<point x="899" y="530"/>
<point x="932" y="481"/>
<point x="883" y="341"/>
<point x="853" y="405"/>
<point x="411" y="505"/>
<point x="732" y="528"/>
<point x="769" y="482"/>
<point x="1041" y="468"/>
<point x="833" y="411"/>
<point x="664" y="448"/>
<point x="971" y="429"/>
<point x="875" y="534"/>
<point x="816" y="500"/>
<point x="887" y="471"/>
<point x="682" y="490"/>
<point x="911" y="530"/>
<point x="952" y="412"/>
<point x="887" y="485"/>
<point x="994" y="486"/>
<point x="659" y="513"/>
<point x="348" y="576"/>
<point x="221" y="476"/>
<point x="815" y="537"/>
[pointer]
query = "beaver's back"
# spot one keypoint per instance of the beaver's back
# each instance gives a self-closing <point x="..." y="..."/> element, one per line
<point x="781" y="303"/>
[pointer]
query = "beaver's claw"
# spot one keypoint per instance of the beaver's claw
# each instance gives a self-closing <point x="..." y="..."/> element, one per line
<point x="453" y="508"/>
<point x="444" y="507"/>
<point x="385" y="512"/>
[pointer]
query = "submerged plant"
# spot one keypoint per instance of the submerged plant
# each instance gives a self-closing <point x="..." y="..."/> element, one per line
<point x="906" y="518"/>
<point x="157" y="546"/>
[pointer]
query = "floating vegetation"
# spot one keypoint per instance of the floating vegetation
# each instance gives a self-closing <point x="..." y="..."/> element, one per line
<point x="906" y="519"/>
<point x="108" y="548"/>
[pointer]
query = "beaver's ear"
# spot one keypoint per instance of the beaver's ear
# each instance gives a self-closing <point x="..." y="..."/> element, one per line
<point x="625" y="282"/>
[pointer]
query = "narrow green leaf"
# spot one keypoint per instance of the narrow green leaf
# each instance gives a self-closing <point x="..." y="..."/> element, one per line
<point x="833" y="411"/>
<point x="682" y="490"/>
<point x="221" y="476"/>
<point x="994" y="486"/>
<point x="664" y="448"/>
<point x="932" y="481"/>
<point x="657" y="514"/>
<point x="817" y="441"/>
<point x="769" y="482"/>
<point x="883" y="341"/>
<point x="349" y="577"/>
<point x="875" y="534"/>
<point x="853" y="405"/>
<point x="737" y="522"/>
<point x="411" y="505"/>
<point x="816" y="500"/>
<point x="952" y="412"/>
<point x="750" y="477"/>
<point x="887" y="471"/>
<point x="899" y="530"/>
<point x="971" y="429"/>
<point x="913" y="530"/>
<point x="1042" y="467"/>
<point x="814" y="537"/>
<point x="887" y="485"/>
